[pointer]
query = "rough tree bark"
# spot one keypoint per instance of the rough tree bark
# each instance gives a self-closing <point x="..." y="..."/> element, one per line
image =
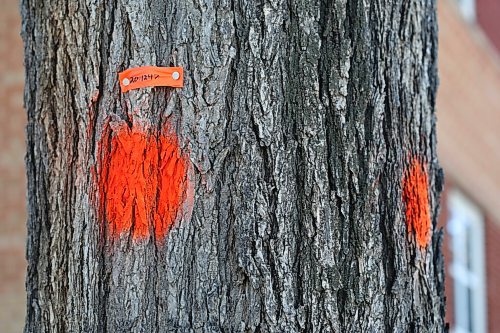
<point x="300" y="118"/>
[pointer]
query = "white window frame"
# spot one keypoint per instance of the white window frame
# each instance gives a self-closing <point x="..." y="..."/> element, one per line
<point x="467" y="9"/>
<point x="466" y="227"/>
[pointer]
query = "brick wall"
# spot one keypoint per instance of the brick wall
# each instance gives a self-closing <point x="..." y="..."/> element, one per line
<point x="12" y="175"/>
<point x="492" y="235"/>
<point x="468" y="111"/>
<point x="488" y="17"/>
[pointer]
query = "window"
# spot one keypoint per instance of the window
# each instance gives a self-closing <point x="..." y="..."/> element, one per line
<point x="468" y="9"/>
<point x="466" y="230"/>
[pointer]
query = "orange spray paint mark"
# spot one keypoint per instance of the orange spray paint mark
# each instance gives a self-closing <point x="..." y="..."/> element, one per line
<point x="142" y="180"/>
<point x="416" y="199"/>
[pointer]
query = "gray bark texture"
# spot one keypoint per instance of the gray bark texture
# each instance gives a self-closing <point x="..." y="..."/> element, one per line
<point x="299" y="117"/>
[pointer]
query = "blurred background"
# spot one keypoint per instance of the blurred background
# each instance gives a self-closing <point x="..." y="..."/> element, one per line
<point x="12" y="174"/>
<point x="468" y="109"/>
<point x="468" y="112"/>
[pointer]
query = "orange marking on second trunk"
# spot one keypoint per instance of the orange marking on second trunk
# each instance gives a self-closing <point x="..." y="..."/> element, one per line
<point x="142" y="180"/>
<point x="416" y="199"/>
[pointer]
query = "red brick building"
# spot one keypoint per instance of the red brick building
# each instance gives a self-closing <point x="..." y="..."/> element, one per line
<point x="12" y="174"/>
<point x="468" y="111"/>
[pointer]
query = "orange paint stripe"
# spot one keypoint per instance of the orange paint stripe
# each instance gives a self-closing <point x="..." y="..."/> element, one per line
<point x="151" y="76"/>
<point x="416" y="199"/>
<point x="142" y="182"/>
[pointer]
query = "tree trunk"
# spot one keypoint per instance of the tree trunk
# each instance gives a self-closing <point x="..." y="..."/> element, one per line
<point x="306" y="137"/>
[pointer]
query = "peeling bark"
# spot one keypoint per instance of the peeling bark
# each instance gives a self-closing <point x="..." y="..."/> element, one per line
<point x="300" y="119"/>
